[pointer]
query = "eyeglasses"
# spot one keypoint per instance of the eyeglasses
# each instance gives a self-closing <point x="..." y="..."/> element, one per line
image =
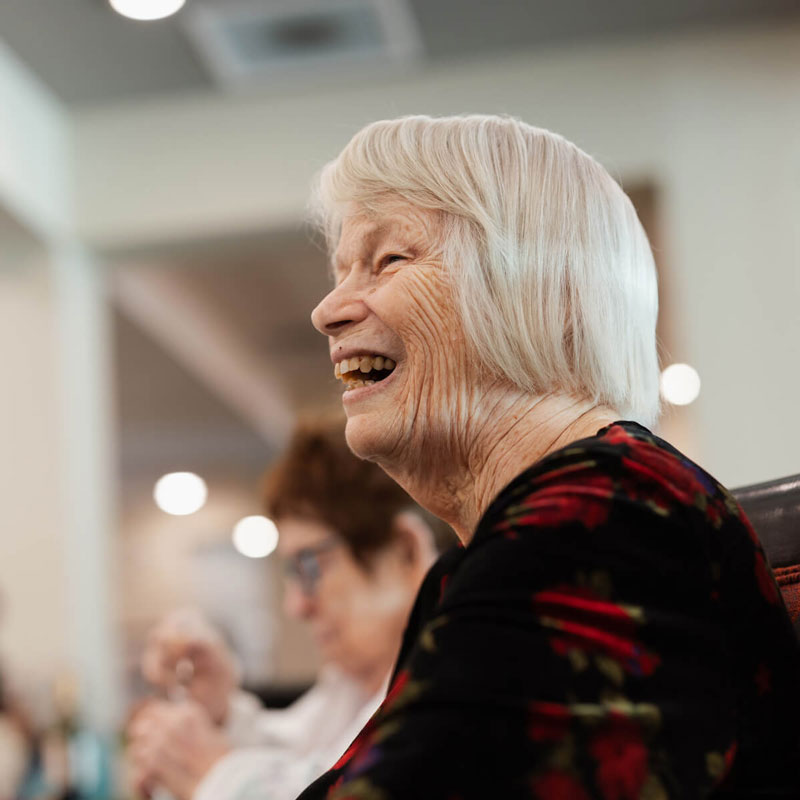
<point x="305" y="566"/>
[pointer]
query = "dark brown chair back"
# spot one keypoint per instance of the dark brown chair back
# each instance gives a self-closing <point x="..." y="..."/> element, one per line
<point x="774" y="510"/>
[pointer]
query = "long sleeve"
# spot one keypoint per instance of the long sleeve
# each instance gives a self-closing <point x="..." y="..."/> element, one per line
<point x="586" y="646"/>
<point x="278" y="752"/>
<point x="260" y="773"/>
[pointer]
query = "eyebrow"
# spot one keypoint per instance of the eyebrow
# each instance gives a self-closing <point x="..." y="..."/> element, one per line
<point x="368" y="242"/>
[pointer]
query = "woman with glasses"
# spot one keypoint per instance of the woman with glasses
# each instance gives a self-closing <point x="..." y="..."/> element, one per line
<point x="355" y="550"/>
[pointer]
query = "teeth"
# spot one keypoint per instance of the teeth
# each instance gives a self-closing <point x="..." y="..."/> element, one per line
<point x="362" y="365"/>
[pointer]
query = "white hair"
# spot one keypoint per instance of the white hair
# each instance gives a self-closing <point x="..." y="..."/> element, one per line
<point x="555" y="277"/>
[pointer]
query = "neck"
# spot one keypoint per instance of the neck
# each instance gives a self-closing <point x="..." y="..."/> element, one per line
<point x="375" y="677"/>
<point x="504" y="436"/>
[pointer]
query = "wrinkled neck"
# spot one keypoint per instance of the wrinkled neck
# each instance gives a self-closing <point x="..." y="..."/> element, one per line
<point x="457" y="476"/>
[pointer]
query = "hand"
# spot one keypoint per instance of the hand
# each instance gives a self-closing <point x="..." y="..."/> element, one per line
<point x="173" y="745"/>
<point x="186" y="637"/>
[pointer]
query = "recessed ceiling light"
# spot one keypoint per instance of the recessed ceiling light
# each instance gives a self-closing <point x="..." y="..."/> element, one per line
<point x="147" y="9"/>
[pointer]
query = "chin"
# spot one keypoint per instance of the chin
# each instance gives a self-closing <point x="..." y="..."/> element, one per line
<point x="368" y="437"/>
<point x="330" y="650"/>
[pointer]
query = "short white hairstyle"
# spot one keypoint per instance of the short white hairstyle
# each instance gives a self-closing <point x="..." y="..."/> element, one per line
<point x="554" y="275"/>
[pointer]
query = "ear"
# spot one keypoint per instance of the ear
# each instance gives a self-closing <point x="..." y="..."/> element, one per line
<point x="415" y="540"/>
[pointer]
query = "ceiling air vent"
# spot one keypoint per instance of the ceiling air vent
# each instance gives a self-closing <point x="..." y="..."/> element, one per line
<point x="246" y="42"/>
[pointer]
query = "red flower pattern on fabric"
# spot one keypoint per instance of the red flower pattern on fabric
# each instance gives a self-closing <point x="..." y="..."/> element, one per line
<point x="396" y="689"/>
<point x="751" y="532"/>
<point x="730" y="756"/>
<point x="622" y="759"/>
<point x="557" y="785"/>
<point x="589" y="504"/>
<point x="589" y="622"/>
<point x="669" y="481"/>
<point x="595" y="749"/>
<point x="351" y="751"/>
<point x="362" y="751"/>
<point x="549" y="722"/>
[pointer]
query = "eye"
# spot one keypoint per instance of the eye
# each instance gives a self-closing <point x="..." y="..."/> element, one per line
<point x="390" y="258"/>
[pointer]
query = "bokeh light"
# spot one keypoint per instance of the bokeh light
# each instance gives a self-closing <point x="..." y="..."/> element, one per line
<point x="180" y="493"/>
<point x="680" y="384"/>
<point x="255" y="537"/>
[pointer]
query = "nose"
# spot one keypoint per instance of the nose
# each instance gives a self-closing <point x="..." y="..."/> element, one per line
<point x="340" y="308"/>
<point x="297" y="604"/>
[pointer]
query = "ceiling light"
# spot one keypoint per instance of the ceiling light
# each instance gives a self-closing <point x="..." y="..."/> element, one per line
<point x="255" y="537"/>
<point x="147" y="9"/>
<point x="180" y="493"/>
<point x="680" y="384"/>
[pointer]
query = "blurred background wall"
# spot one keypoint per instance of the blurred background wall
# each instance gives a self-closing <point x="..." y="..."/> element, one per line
<point x="156" y="275"/>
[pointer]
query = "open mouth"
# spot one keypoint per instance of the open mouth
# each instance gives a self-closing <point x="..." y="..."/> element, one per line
<point x="363" y="370"/>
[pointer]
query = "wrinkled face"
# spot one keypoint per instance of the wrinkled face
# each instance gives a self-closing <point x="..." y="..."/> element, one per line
<point x="395" y="338"/>
<point x="356" y="615"/>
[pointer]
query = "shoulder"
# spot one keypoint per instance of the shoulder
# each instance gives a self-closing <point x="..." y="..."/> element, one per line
<point x="625" y="472"/>
<point x="623" y="511"/>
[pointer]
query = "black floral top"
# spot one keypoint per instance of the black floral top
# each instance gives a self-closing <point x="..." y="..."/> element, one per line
<point x="611" y="632"/>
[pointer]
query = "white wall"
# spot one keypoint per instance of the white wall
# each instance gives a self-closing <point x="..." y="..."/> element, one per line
<point x="32" y="579"/>
<point x="34" y="150"/>
<point x="56" y="516"/>
<point x="713" y="118"/>
<point x="33" y="630"/>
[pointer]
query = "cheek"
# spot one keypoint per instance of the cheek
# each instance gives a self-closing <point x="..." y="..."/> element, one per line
<point x="421" y="303"/>
<point x="333" y="598"/>
<point x="439" y="363"/>
<point x="341" y="593"/>
<point x="372" y="629"/>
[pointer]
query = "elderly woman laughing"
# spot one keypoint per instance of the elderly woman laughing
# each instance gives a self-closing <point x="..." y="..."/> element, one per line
<point x="610" y="628"/>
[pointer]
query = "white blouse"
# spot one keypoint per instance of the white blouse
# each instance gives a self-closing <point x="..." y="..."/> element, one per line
<point x="278" y="753"/>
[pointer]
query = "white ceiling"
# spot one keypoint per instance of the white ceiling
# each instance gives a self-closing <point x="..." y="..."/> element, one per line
<point x="90" y="56"/>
